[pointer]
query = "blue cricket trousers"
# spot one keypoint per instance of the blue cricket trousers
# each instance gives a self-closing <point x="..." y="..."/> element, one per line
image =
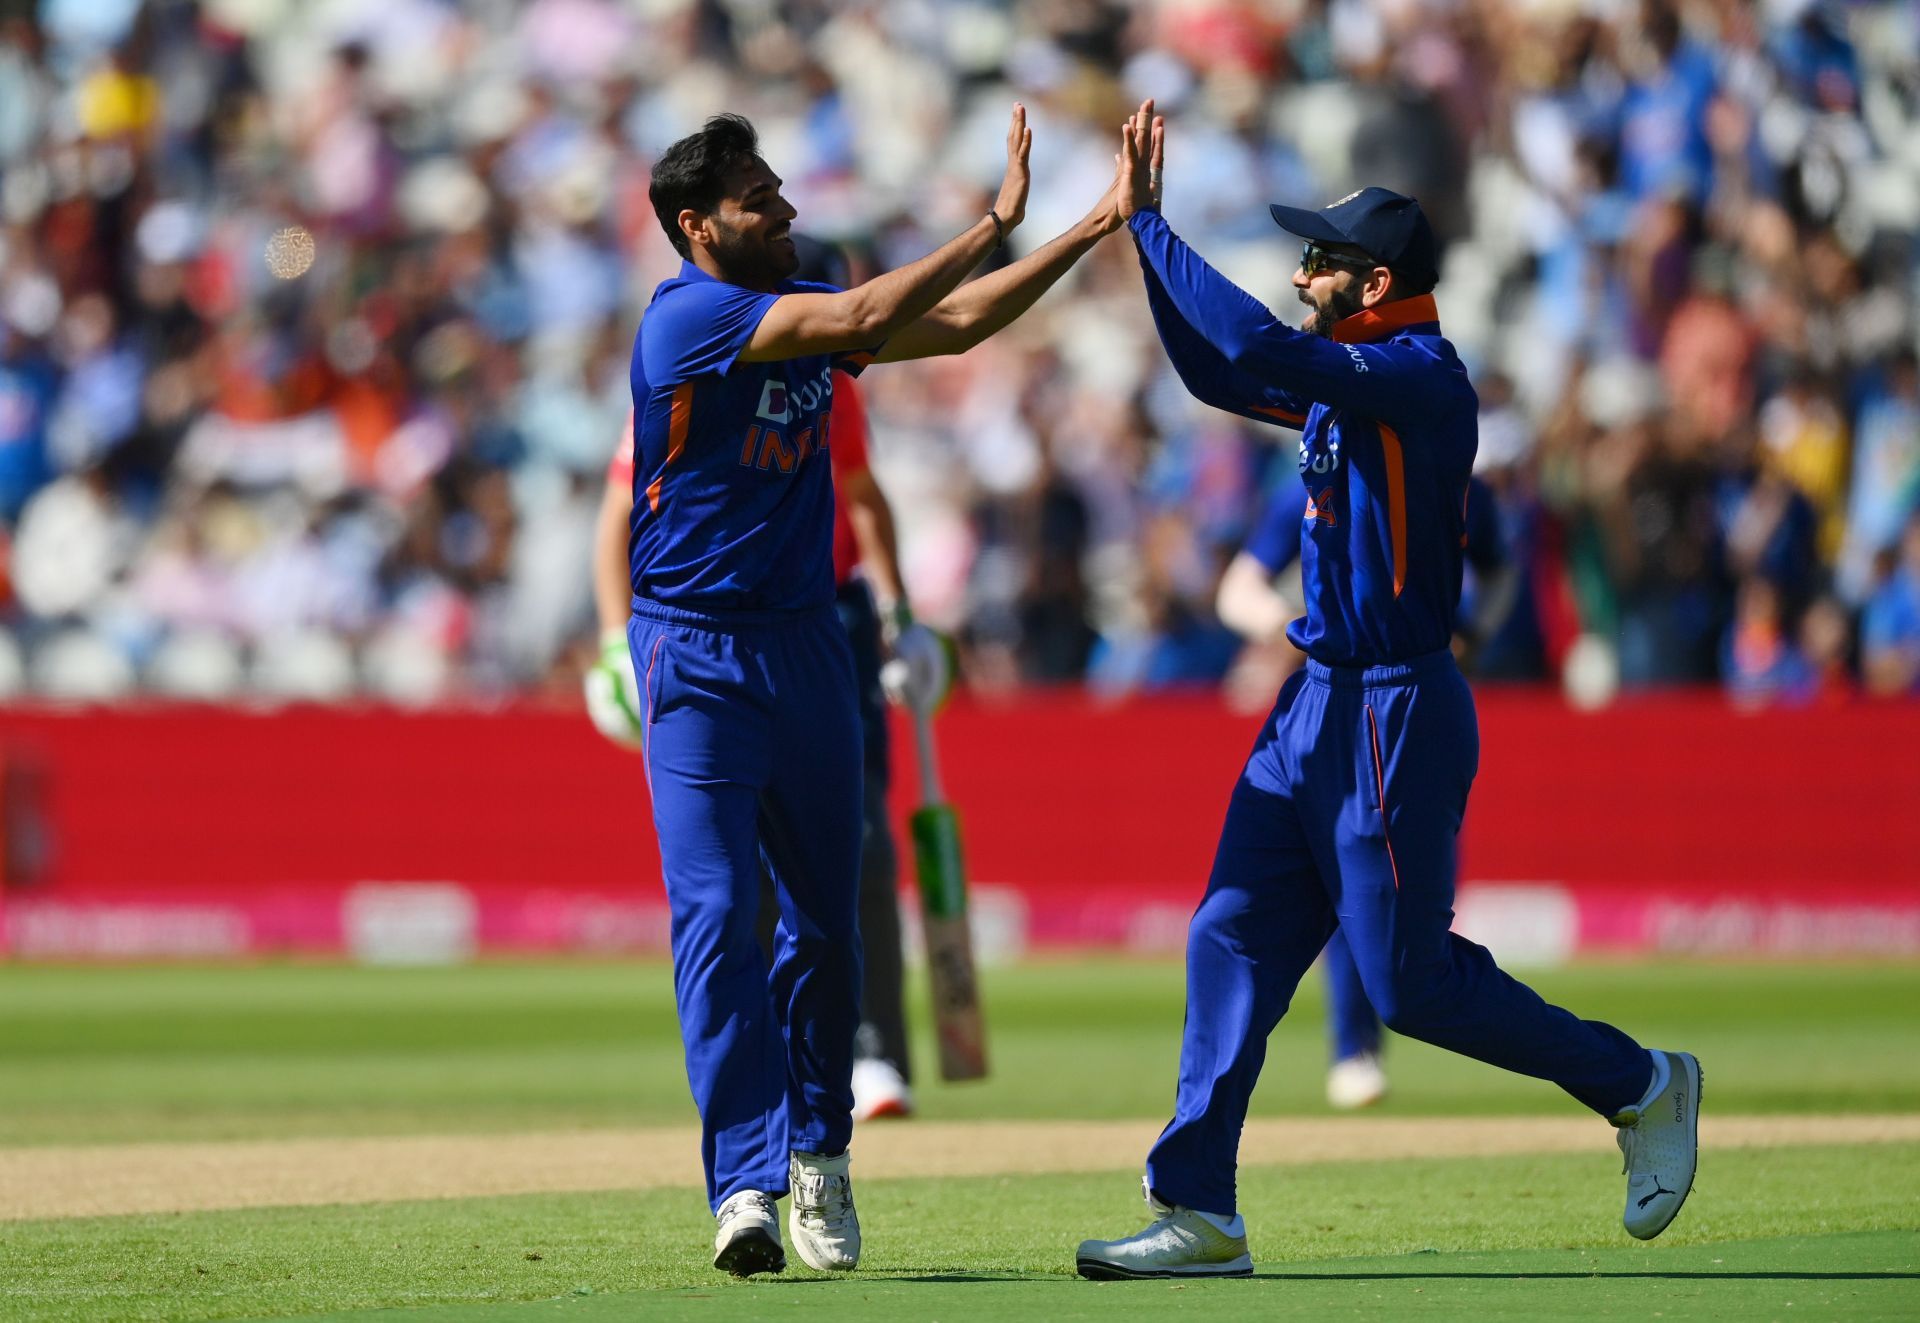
<point x="1347" y="813"/>
<point x="1352" y="1027"/>
<point x="753" y="754"/>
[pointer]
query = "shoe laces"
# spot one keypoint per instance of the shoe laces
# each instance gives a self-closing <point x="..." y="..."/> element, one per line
<point x="1166" y="1222"/>
<point x="823" y="1200"/>
<point x="736" y="1201"/>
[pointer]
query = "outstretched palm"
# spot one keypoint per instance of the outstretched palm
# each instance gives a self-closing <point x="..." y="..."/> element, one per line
<point x="1142" y="153"/>
<point x="1011" y="205"/>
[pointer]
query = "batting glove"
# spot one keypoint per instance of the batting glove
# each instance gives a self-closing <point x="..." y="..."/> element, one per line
<point x="919" y="673"/>
<point x="613" y="697"/>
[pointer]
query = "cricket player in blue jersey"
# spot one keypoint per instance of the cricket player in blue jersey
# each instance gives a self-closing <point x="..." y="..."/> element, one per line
<point x="746" y="680"/>
<point x="1349" y="806"/>
<point x="1250" y="602"/>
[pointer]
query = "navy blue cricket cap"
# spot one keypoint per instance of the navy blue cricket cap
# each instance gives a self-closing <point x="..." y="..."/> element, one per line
<point x="1387" y="226"/>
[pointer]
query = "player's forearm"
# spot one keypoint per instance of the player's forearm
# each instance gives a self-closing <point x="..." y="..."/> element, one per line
<point x="612" y="593"/>
<point x="993" y="302"/>
<point x="892" y="301"/>
<point x="878" y="545"/>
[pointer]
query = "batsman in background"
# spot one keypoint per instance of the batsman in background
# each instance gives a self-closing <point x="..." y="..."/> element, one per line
<point x="746" y="681"/>
<point x="863" y="539"/>
<point x="1249" y="602"/>
<point x="1349" y="807"/>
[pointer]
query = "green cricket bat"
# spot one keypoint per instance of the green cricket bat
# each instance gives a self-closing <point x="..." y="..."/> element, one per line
<point x="943" y="909"/>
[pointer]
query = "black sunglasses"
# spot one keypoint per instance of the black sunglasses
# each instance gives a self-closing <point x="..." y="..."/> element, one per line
<point x="1314" y="259"/>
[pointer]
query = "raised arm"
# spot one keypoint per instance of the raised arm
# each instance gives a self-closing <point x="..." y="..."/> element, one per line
<point x="1204" y="370"/>
<point x="980" y="308"/>
<point x="1371" y="380"/>
<point x="1207" y="374"/>
<point x="797" y="325"/>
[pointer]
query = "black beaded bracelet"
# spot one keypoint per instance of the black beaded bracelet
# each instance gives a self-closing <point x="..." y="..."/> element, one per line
<point x="999" y="228"/>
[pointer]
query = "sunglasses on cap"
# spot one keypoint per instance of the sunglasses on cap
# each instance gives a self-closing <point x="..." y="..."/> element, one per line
<point x="1314" y="259"/>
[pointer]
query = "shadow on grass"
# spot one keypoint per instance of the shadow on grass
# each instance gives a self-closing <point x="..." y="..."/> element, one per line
<point x="1676" y="1276"/>
<point x="983" y="1278"/>
<point x="951" y="1276"/>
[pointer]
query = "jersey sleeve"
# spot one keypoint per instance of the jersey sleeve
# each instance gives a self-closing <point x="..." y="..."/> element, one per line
<point x="1275" y="540"/>
<point x="847" y="430"/>
<point x="850" y="361"/>
<point x="1205" y="372"/>
<point x="855" y="361"/>
<point x="620" y="467"/>
<point x="1388" y="381"/>
<point x="698" y="329"/>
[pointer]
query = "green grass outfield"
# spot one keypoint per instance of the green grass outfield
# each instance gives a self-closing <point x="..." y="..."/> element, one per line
<point x="1791" y="1233"/>
<point x="96" y="1055"/>
<point x="114" y="1055"/>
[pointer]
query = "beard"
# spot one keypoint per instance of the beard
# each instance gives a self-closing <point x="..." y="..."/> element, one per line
<point x="755" y="263"/>
<point x="1342" y="303"/>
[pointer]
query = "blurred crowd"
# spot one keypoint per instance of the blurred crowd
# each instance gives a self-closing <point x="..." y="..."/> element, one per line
<point x="315" y="321"/>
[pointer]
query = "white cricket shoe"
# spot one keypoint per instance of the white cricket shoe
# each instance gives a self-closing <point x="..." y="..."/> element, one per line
<point x="1356" y="1082"/>
<point x="748" y="1239"/>
<point x="879" y="1090"/>
<point x="821" y="1220"/>
<point x="1660" y="1143"/>
<point x="1179" y="1242"/>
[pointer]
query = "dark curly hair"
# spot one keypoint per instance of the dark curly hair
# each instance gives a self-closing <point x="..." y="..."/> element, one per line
<point x="688" y="177"/>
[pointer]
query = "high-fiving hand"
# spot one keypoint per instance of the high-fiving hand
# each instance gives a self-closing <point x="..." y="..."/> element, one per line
<point x="1142" y="154"/>
<point x="1011" y="205"/>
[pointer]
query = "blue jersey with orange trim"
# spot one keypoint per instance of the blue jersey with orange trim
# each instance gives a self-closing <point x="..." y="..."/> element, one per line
<point x="1275" y="539"/>
<point x="732" y="495"/>
<point x="1389" y="426"/>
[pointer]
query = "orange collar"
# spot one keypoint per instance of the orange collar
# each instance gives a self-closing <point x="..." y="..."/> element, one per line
<point x="1372" y="324"/>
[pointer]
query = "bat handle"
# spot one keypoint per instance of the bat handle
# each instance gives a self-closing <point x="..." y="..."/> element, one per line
<point x="930" y="792"/>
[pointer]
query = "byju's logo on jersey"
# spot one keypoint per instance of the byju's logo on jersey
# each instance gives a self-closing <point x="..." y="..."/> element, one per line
<point x="766" y="444"/>
<point x="773" y="401"/>
<point x="780" y="405"/>
<point x="1319" y="460"/>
